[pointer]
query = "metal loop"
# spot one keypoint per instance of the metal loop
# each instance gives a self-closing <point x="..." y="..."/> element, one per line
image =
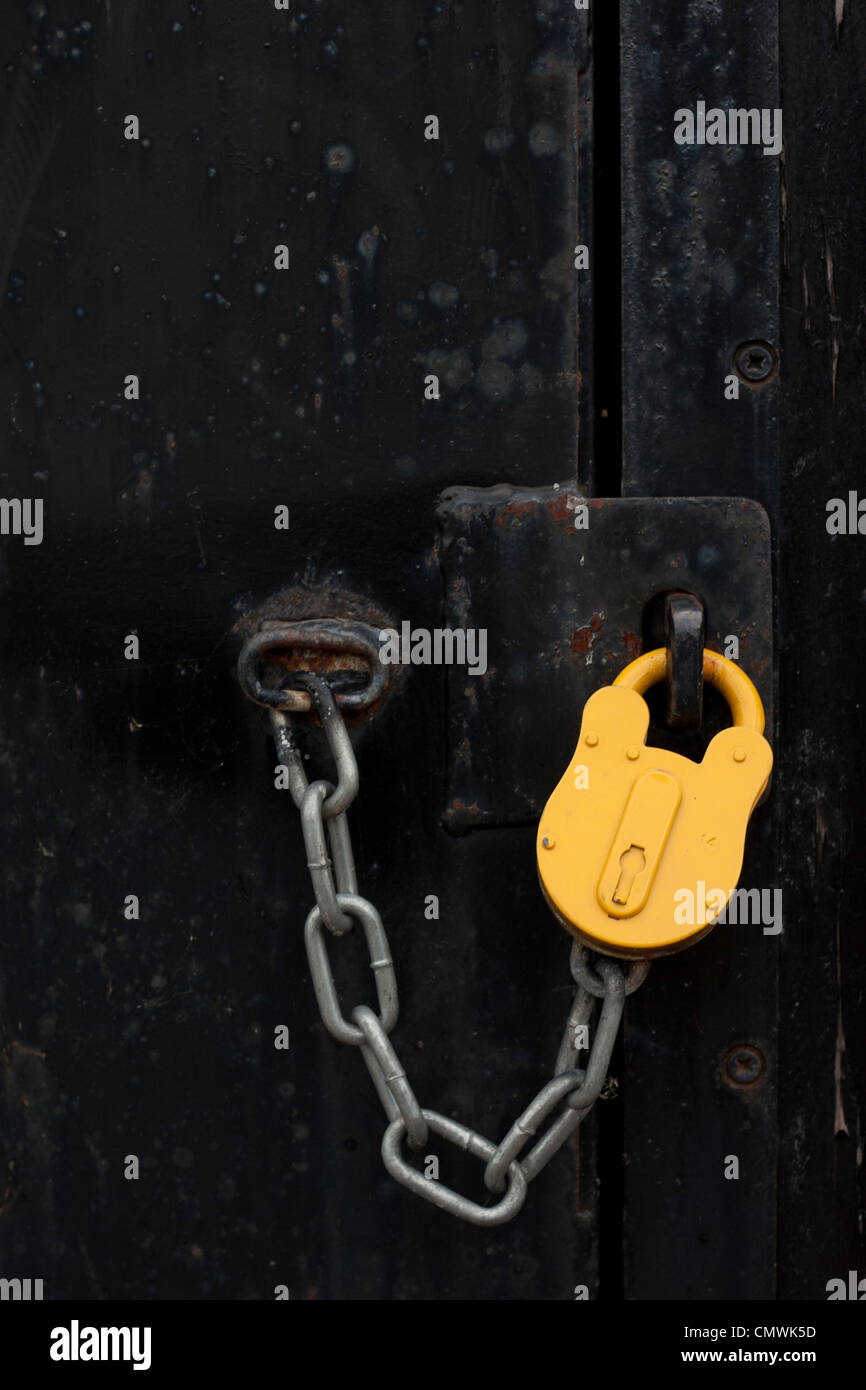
<point x="444" y="1197"/>
<point x="588" y="979"/>
<point x="341" y="854"/>
<point x="581" y="1011"/>
<point x="684" y="670"/>
<point x="579" y="1101"/>
<point x="338" y="742"/>
<point x="527" y="1124"/>
<point x="289" y="755"/>
<point x="318" y="861"/>
<point x="550" y="1143"/>
<point x="393" y="1074"/>
<point x="316" y="636"/>
<point x="380" y="963"/>
<point x="579" y="1089"/>
<point x="605" y="1035"/>
<point x="744" y="702"/>
<point x="389" y="1104"/>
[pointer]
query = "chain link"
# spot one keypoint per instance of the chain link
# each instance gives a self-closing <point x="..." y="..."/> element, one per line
<point x="573" y="1090"/>
<point x="380" y="963"/>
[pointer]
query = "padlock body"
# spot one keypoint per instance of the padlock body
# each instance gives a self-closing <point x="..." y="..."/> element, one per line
<point x="639" y="848"/>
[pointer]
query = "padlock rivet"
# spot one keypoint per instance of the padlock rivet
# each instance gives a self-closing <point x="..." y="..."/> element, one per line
<point x="548" y="842"/>
<point x="632" y="753"/>
<point x="591" y="739"/>
<point x="739" y="755"/>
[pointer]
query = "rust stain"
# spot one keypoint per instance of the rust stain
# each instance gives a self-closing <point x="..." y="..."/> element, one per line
<point x="27" y="1051"/>
<point x="460" y="808"/>
<point x="581" y="640"/>
<point x="559" y="508"/>
<point x="516" y="510"/>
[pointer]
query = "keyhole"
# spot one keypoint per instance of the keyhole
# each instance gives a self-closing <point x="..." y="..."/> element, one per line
<point x="631" y="861"/>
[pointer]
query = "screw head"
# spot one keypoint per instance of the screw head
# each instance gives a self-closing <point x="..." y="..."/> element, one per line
<point x="632" y="753"/>
<point x="756" y="361"/>
<point x="744" y="1065"/>
<point x="591" y="739"/>
<point x="739" y="755"/>
<point x="548" y="842"/>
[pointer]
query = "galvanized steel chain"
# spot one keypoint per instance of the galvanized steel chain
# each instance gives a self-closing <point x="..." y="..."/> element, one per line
<point x="564" y="1101"/>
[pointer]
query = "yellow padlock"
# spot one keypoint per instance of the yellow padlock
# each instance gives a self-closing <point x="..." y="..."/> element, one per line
<point x="640" y="849"/>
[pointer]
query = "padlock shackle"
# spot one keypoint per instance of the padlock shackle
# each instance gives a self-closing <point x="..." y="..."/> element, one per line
<point x="744" y="702"/>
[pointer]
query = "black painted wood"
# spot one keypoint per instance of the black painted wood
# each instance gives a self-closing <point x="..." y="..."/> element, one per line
<point x="304" y="388"/>
<point x="821" y="593"/>
<point x="700" y="252"/>
<point x="700" y="258"/>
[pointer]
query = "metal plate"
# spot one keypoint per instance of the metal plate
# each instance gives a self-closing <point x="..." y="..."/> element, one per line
<point x="700" y="252"/>
<point x="578" y="622"/>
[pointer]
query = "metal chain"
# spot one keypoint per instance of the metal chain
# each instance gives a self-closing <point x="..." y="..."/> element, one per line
<point x="573" y="1090"/>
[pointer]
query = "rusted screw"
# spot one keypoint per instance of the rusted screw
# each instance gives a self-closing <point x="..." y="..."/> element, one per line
<point x="744" y="1064"/>
<point x="755" y="361"/>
